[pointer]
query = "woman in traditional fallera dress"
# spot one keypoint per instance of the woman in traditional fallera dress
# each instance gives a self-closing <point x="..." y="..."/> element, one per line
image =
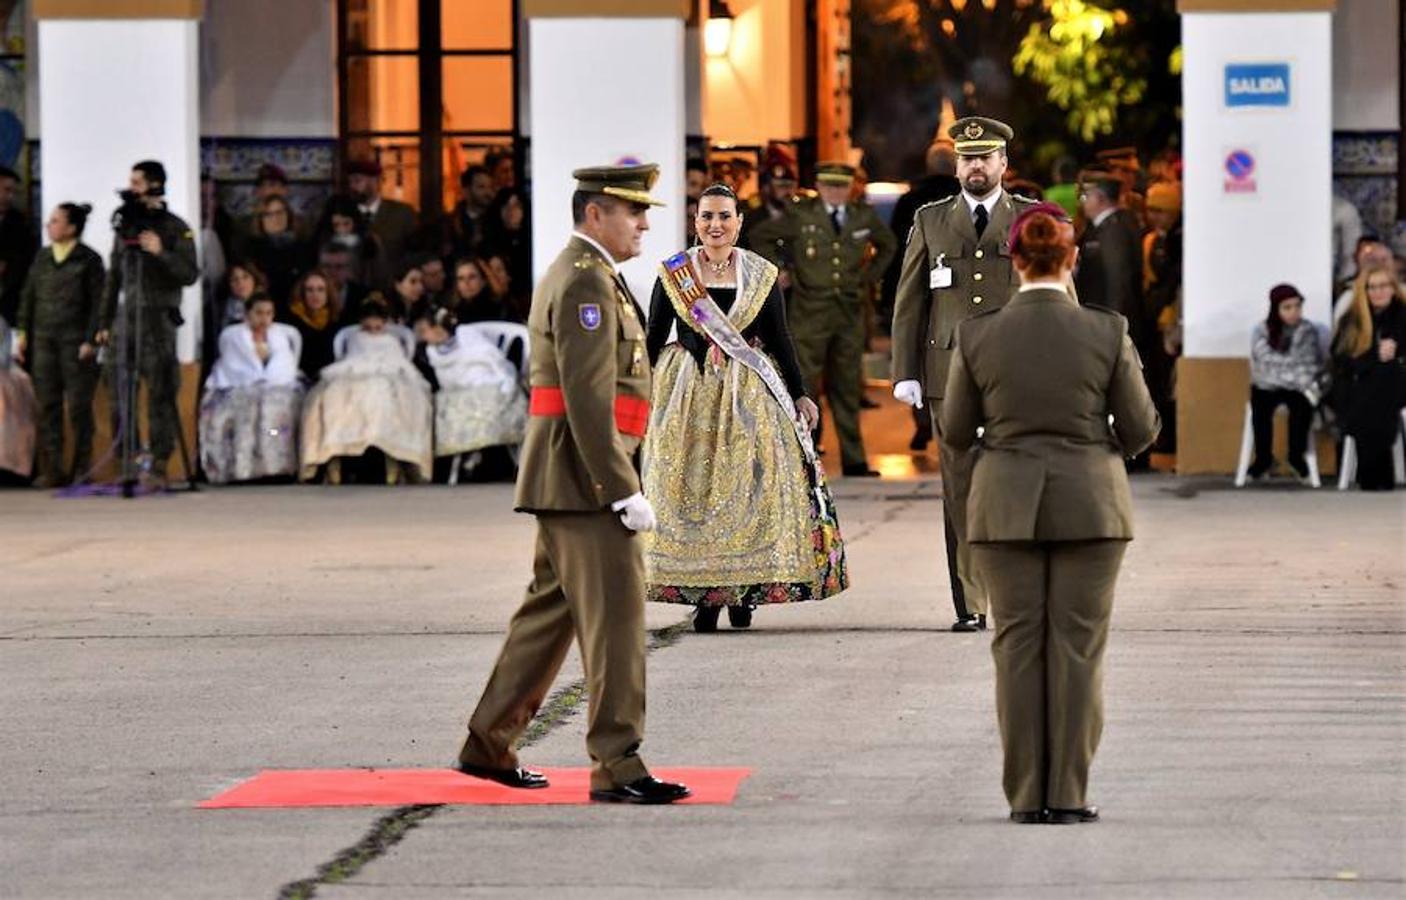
<point x="478" y="401"/>
<point x="372" y="398"/>
<point x="745" y="516"/>
<point x="253" y="399"/>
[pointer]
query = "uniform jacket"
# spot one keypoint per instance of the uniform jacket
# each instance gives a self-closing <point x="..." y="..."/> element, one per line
<point x="61" y="300"/>
<point x="162" y="276"/>
<point x="827" y="265"/>
<point x="1110" y="267"/>
<point x="590" y="387"/>
<point x="1042" y="376"/>
<point x="925" y="318"/>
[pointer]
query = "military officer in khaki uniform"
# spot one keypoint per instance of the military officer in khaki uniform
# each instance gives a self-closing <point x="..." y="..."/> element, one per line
<point x="1049" y="513"/>
<point x="836" y="248"/>
<point x="956" y="265"/>
<point x="589" y="408"/>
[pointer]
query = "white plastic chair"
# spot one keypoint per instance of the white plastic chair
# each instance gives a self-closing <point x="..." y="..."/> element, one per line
<point x="1347" y="466"/>
<point x="1247" y="449"/>
<point x="403" y="334"/>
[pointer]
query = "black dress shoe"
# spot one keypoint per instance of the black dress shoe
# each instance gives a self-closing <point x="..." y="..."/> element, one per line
<point x="739" y="616"/>
<point x="860" y="470"/>
<point x="705" y="619"/>
<point x="525" y="779"/>
<point x="969" y="623"/>
<point x="1073" y="816"/>
<point x="647" y="790"/>
<point x="1028" y="816"/>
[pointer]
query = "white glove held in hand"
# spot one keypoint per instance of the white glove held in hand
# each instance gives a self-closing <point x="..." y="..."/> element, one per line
<point x="910" y="392"/>
<point x="635" y="512"/>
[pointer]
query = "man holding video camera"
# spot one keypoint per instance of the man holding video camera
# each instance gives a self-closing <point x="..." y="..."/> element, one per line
<point x="153" y="258"/>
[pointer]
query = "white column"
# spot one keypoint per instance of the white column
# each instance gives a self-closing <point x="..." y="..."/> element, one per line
<point x="603" y="90"/>
<point x="1249" y="227"/>
<point x="114" y="92"/>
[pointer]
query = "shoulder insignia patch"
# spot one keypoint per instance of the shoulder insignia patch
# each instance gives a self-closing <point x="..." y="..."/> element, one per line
<point x="589" y="314"/>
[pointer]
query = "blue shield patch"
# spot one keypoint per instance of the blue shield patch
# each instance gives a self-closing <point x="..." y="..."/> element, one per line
<point x="589" y="313"/>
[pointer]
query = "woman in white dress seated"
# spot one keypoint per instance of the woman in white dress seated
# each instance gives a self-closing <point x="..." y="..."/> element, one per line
<point x="479" y="401"/>
<point x="373" y="398"/>
<point x="253" y="399"/>
<point x="17" y="411"/>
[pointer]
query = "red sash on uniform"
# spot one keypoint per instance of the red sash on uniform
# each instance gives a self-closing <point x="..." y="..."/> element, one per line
<point x="631" y="413"/>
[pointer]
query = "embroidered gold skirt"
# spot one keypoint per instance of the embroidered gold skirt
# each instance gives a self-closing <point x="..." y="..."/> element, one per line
<point x="738" y="522"/>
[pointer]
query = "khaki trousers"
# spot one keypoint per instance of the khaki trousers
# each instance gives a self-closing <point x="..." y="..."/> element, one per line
<point x="956" y="483"/>
<point x="588" y="583"/>
<point x="1052" y="602"/>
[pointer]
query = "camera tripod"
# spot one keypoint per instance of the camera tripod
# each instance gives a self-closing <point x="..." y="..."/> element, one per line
<point x="128" y="370"/>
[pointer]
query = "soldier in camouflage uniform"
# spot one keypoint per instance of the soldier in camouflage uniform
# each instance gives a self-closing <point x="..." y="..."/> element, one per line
<point x="164" y="251"/>
<point x="58" y="324"/>
<point x="837" y="249"/>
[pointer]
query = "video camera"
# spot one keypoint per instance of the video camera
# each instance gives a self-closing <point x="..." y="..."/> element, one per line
<point x="134" y="216"/>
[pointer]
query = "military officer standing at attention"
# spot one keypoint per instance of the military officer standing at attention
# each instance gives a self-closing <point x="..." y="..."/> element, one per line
<point x="1050" y="513"/>
<point x="957" y="264"/>
<point x="589" y="408"/>
<point x="828" y="240"/>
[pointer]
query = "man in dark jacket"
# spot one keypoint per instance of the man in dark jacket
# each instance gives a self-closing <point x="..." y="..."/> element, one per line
<point x="141" y="329"/>
<point x="1110" y="254"/>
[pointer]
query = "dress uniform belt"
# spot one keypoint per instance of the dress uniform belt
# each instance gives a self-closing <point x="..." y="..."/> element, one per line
<point x="631" y="413"/>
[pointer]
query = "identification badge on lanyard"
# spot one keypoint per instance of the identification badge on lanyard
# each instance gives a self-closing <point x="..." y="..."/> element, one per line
<point x="940" y="276"/>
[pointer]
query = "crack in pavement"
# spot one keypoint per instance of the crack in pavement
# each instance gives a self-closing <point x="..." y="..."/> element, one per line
<point x="392" y="828"/>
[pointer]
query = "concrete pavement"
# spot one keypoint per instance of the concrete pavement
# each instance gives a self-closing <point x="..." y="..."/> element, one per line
<point x="154" y="652"/>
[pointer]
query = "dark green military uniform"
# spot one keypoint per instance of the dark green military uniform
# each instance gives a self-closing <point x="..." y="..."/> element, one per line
<point x="58" y="315"/>
<point x="1048" y="517"/>
<point x="950" y="273"/>
<point x="590" y="405"/>
<point x="831" y="268"/>
<point x="142" y="337"/>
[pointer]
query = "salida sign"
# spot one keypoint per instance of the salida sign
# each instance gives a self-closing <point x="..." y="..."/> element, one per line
<point x="1257" y="84"/>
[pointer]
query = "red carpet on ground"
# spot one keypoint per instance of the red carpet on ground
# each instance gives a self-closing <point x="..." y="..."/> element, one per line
<point x="283" y="788"/>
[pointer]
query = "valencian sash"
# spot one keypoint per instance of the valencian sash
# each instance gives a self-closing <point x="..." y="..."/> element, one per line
<point x="697" y="308"/>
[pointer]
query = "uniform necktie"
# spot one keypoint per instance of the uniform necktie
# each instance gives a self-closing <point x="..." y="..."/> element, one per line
<point x="835" y="219"/>
<point x="981" y="218"/>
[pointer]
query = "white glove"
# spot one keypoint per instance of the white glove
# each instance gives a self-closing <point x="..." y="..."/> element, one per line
<point x="910" y="392"/>
<point x="635" y="512"/>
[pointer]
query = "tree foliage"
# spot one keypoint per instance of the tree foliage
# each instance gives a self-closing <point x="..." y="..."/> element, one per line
<point x="1075" y="56"/>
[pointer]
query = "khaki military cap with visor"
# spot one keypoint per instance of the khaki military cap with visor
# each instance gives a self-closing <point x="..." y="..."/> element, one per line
<point x="629" y="183"/>
<point x="834" y="173"/>
<point x="978" y="135"/>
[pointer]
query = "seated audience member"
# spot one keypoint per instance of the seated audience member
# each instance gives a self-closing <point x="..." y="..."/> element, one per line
<point x="500" y="282"/>
<point x="17" y="408"/>
<point x="509" y="236"/>
<point x="468" y="220"/>
<point x="1285" y="361"/>
<point x="479" y="401"/>
<point x="473" y="299"/>
<point x="253" y="400"/>
<point x="313" y="311"/>
<point x="243" y="279"/>
<point x="434" y="277"/>
<point x="1371" y="253"/>
<point x="275" y="248"/>
<point x="1369" y="364"/>
<point x="373" y="398"/>
<point x="407" y="290"/>
<point x="335" y="261"/>
<point x="344" y="226"/>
